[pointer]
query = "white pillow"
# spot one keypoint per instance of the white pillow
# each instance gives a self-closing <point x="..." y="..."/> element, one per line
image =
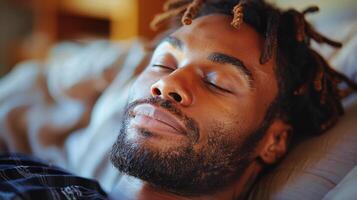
<point x="346" y="189"/>
<point x="315" y="166"/>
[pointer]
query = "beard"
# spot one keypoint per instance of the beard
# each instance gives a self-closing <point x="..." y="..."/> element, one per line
<point x="185" y="170"/>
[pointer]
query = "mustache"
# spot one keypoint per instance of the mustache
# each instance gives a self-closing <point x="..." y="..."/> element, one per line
<point x="191" y="126"/>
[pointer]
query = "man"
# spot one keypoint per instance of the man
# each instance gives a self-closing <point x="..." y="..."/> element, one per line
<point x="222" y="97"/>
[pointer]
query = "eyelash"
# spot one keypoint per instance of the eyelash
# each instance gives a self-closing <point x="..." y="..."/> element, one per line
<point x="216" y="87"/>
<point x="210" y="84"/>
<point x="163" y="67"/>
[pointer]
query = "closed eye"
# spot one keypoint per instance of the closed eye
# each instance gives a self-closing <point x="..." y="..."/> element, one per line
<point x="216" y="87"/>
<point x="163" y="67"/>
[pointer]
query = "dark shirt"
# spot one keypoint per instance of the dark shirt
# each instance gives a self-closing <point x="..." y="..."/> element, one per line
<point x="24" y="177"/>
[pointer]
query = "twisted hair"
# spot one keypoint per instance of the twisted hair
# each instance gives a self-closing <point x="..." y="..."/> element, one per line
<point x="310" y="89"/>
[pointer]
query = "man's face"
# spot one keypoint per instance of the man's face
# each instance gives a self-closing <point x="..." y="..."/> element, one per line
<point x="194" y="111"/>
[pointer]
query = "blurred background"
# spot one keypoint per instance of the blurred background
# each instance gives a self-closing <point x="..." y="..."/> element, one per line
<point x="28" y="28"/>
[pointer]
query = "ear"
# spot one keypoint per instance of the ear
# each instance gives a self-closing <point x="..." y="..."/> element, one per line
<point x="275" y="143"/>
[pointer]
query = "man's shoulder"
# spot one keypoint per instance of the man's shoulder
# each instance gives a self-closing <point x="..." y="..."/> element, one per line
<point x="25" y="177"/>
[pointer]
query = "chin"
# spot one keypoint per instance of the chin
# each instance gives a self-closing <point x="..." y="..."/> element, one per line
<point x="159" y="141"/>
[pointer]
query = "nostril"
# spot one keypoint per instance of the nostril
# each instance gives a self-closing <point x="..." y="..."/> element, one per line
<point x="176" y="96"/>
<point x="156" y="91"/>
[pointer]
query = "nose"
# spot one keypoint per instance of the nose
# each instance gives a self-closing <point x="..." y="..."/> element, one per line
<point x="173" y="89"/>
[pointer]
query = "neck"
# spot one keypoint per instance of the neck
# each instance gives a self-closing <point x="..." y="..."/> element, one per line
<point x="136" y="189"/>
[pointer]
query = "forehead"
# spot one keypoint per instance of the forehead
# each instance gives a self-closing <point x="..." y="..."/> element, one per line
<point x="214" y="33"/>
<point x="215" y="26"/>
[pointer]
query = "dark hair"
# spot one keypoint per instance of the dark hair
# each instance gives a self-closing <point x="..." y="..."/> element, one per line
<point x="309" y="92"/>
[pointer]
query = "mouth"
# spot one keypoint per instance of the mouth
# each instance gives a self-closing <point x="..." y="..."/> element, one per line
<point x="156" y="119"/>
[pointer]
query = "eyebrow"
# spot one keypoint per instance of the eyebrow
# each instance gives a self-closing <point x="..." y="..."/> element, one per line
<point x="216" y="57"/>
<point x="221" y="58"/>
<point x="174" y="41"/>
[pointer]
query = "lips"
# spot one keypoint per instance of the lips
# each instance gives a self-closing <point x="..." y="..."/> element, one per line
<point x="152" y="117"/>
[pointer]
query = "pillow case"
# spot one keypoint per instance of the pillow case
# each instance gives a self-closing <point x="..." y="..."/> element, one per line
<point x="346" y="189"/>
<point x="315" y="166"/>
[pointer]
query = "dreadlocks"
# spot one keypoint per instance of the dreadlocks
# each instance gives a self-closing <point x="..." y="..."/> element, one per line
<point x="309" y="89"/>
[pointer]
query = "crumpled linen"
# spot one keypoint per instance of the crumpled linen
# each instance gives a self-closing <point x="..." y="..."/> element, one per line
<point x="64" y="110"/>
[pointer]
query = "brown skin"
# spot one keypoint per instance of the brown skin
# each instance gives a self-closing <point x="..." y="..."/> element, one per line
<point x="241" y="105"/>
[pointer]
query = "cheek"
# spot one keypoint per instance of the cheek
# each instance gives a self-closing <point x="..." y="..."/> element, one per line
<point x="220" y="122"/>
<point x="225" y="129"/>
<point x="141" y="87"/>
<point x="229" y="119"/>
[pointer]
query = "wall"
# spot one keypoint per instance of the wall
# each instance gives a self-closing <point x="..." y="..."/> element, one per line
<point x="15" y="24"/>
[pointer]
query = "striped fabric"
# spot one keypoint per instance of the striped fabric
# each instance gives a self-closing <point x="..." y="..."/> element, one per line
<point x="24" y="177"/>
